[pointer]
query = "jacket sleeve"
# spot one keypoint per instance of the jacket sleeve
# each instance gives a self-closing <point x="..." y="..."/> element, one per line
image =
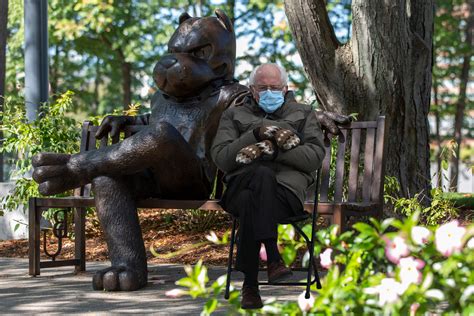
<point x="308" y="156"/>
<point x="228" y="142"/>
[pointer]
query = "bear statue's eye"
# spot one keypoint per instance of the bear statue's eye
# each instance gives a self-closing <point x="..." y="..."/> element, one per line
<point x="203" y="52"/>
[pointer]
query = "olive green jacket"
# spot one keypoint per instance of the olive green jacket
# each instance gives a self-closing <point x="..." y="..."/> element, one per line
<point x="295" y="168"/>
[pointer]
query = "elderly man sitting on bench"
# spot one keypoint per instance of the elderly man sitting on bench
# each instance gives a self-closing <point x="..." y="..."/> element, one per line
<point x="269" y="149"/>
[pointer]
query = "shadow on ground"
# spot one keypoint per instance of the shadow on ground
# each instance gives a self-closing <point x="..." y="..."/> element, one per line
<point x="58" y="290"/>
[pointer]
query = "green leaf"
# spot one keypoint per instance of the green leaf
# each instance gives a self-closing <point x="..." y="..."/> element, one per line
<point x="289" y="255"/>
<point x="364" y="228"/>
<point x="444" y="164"/>
<point x="210" y="307"/>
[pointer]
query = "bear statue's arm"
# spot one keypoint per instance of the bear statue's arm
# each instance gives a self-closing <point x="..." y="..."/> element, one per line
<point x="230" y="96"/>
<point x="142" y="119"/>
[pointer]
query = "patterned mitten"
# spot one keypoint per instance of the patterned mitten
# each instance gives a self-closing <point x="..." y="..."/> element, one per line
<point x="252" y="152"/>
<point x="265" y="132"/>
<point x="286" y="139"/>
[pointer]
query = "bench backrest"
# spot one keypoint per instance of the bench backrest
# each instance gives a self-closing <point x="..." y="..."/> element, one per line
<point x="89" y="142"/>
<point x="351" y="173"/>
<point x="348" y="173"/>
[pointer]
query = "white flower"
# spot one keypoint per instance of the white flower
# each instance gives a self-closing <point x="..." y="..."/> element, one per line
<point x="470" y="244"/>
<point x="437" y="266"/>
<point x="448" y="238"/>
<point x="409" y="270"/>
<point x="396" y="249"/>
<point x="420" y="235"/>
<point x="305" y="304"/>
<point x="389" y="291"/>
<point x="175" y="293"/>
<point x="435" y="293"/>
<point x="212" y="237"/>
<point x="325" y="257"/>
<point x="468" y="292"/>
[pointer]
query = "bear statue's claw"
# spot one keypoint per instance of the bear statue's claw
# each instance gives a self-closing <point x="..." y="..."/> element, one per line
<point x="117" y="279"/>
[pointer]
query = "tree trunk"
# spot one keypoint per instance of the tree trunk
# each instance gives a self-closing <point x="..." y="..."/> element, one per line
<point x="54" y="71"/>
<point x="385" y="69"/>
<point x="464" y="78"/>
<point x="439" y="169"/>
<point x="97" y="80"/>
<point x="3" y="47"/>
<point x="126" y="84"/>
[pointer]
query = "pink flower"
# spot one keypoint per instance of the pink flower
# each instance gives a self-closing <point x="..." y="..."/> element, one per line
<point x="420" y="235"/>
<point x="410" y="270"/>
<point x="413" y="308"/>
<point x="325" y="257"/>
<point x="263" y="253"/>
<point x="389" y="290"/>
<point x="396" y="249"/>
<point x="305" y="304"/>
<point x="448" y="238"/>
<point x="175" y="293"/>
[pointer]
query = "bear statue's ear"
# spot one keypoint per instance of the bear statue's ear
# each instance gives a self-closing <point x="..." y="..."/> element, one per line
<point x="224" y="19"/>
<point x="183" y="17"/>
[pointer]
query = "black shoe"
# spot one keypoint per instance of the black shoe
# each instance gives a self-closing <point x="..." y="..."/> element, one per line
<point x="277" y="271"/>
<point x="251" y="297"/>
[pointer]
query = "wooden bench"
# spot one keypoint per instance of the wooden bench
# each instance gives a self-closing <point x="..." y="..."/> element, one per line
<point x="342" y="194"/>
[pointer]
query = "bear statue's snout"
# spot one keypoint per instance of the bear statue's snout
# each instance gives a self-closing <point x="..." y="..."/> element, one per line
<point x="168" y="61"/>
<point x="182" y="74"/>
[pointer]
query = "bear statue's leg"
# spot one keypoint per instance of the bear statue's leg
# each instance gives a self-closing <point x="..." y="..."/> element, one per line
<point x="116" y="209"/>
<point x="159" y="147"/>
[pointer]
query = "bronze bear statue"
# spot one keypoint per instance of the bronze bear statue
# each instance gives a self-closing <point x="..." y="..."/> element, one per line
<point x="170" y="158"/>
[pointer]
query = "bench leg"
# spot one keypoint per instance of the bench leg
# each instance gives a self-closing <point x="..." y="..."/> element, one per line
<point x="80" y="238"/>
<point x="340" y="219"/>
<point x="34" y="217"/>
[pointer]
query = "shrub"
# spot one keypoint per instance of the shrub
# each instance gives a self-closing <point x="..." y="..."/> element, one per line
<point x="52" y="131"/>
<point x="389" y="267"/>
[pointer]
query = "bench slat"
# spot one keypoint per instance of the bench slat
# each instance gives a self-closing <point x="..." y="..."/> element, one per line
<point x="360" y="125"/>
<point x="325" y="174"/>
<point x="354" y="165"/>
<point x="378" y="162"/>
<point x="341" y="150"/>
<point x="368" y="164"/>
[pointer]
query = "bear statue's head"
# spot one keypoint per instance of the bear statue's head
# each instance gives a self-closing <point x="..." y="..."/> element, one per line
<point x="201" y="51"/>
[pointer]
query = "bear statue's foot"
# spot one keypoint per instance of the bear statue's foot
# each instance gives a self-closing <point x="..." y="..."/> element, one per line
<point x="118" y="279"/>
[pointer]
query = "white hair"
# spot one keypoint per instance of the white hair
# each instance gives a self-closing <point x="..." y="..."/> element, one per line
<point x="283" y="74"/>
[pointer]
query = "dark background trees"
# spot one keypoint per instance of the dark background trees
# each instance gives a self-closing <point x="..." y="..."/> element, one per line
<point x="367" y="57"/>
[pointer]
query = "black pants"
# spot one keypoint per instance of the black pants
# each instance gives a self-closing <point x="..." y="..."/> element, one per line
<point x="260" y="203"/>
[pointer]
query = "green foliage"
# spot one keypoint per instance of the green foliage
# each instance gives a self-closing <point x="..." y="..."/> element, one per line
<point x="389" y="267"/>
<point x="196" y="284"/>
<point x="464" y="200"/>
<point x="53" y="131"/>
<point x="438" y="211"/>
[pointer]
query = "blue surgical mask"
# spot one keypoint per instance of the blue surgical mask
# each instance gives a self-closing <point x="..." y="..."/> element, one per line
<point x="270" y="101"/>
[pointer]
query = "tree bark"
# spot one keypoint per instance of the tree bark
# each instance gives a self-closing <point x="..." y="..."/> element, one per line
<point x="439" y="169"/>
<point x="385" y="69"/>
<point x="461" y="106"/>
<point x="3" y="47"/>
<point x="54" y="71"/>
<point x="97" y="81"/>
<point x="126" y="83"/>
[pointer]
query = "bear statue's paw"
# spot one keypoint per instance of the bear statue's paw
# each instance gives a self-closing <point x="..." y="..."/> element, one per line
<point x="117" y="279"/>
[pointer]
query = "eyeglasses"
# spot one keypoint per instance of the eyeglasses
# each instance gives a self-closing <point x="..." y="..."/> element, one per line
<point x="260" y="88"/>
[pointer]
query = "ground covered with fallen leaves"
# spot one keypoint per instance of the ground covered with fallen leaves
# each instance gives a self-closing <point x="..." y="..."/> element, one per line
<point x="177" y="236"/>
